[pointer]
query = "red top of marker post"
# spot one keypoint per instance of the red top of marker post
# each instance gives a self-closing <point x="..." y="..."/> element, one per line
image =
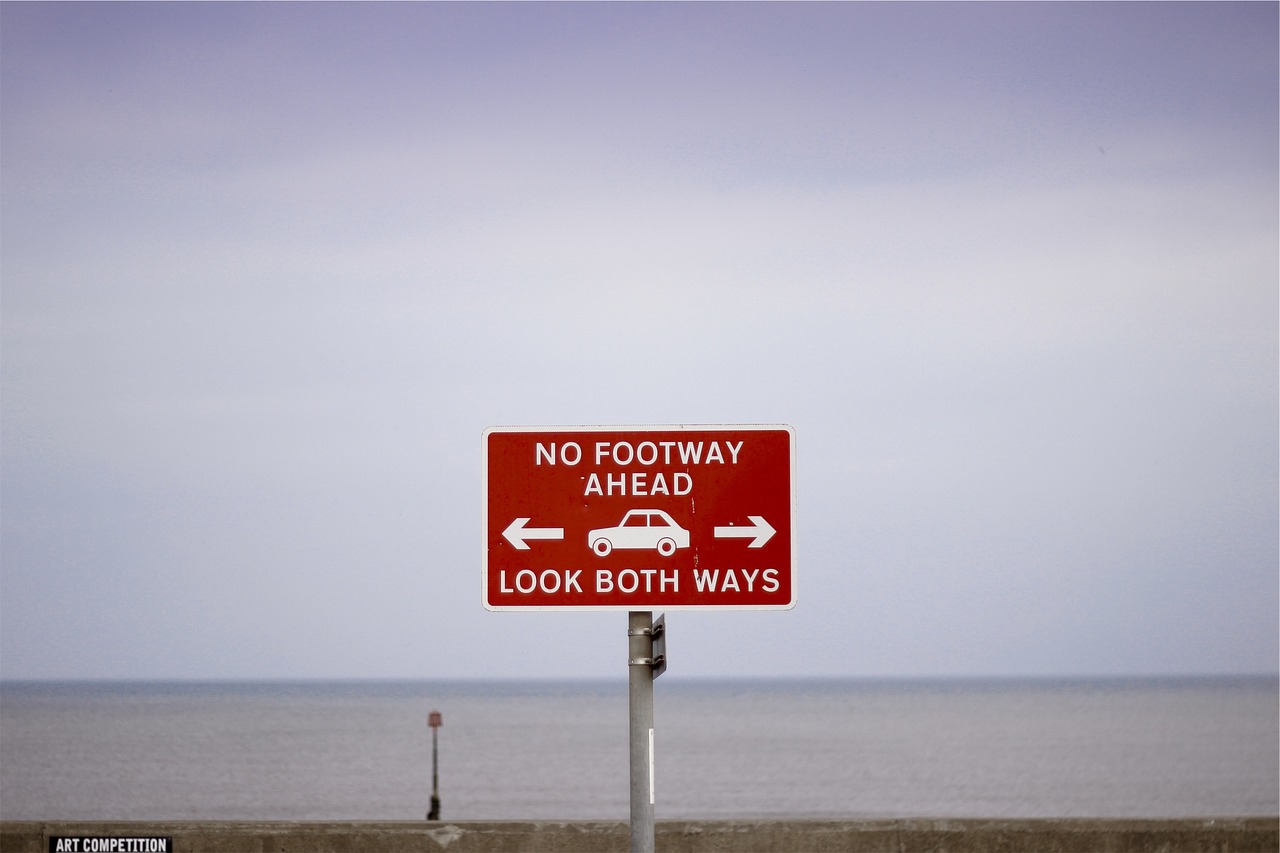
<point x="639" y="518"/>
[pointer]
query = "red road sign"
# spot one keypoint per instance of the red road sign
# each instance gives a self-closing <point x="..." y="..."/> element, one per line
<point x="639" y="518"/>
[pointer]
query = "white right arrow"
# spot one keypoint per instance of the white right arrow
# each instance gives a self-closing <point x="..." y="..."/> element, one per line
<point x="760" y="530"/>
<point x="517" y="534"/>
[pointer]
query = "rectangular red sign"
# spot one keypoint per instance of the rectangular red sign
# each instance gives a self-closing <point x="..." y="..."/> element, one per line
<point x="639" y="518"/>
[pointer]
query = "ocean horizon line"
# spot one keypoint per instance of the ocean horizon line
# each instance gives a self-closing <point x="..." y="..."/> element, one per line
<point x="671" y="679"/>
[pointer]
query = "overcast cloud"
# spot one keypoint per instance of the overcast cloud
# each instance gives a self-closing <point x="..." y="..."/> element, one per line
<point x="1010" y="271"/>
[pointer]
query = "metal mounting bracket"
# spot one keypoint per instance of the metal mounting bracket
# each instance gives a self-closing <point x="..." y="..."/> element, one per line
<point x="658" y="637"/>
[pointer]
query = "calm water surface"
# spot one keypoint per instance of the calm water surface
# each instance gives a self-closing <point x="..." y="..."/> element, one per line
<point x="558" y="750"/>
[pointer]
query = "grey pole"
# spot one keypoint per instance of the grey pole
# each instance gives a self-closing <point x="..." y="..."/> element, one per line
<point x="435" y="720"/>
<point x="435" y="776"/>
<point x="640" y="670"/>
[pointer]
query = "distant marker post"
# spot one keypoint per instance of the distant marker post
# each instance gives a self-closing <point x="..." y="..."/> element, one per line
<point x="435" y="721"/>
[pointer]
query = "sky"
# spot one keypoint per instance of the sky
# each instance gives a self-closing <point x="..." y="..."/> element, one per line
<point x="268" y="271"/>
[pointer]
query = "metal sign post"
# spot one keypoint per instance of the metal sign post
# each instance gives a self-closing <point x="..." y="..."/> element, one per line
<point x="643" y="667"/>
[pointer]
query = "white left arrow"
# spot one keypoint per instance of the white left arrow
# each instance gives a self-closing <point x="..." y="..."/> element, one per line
<point x="760" y="530"/>
<point x="517" y="534"/>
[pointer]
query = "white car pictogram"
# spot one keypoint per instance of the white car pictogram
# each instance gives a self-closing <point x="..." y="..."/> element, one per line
<point x="640" y="528"/>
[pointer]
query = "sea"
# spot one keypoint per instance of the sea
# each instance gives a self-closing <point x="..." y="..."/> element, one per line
<point x="558" y="750"/>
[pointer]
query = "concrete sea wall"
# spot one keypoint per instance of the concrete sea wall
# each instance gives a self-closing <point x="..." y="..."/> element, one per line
<point x="1222" y="835"/>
